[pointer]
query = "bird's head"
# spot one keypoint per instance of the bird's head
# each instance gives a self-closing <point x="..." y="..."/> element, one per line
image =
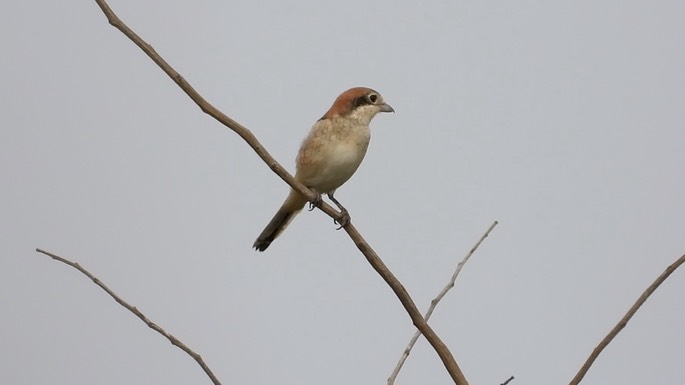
<point x="359" y="103"/>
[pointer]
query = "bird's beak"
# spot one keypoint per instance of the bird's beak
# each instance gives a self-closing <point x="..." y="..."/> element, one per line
<point x="385" y="107"/>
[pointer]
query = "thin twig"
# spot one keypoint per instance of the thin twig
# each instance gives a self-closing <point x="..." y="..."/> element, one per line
<point x="378" y="265"/>
<point x="409" y="305"/>
<point x="624" y="321"/>
<point x="174" y="341"/>
<point x="434" y="304"/>
<point x="510" y="379"/>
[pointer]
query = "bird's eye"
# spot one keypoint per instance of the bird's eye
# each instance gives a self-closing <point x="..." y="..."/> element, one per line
<point x="373" y="98"/>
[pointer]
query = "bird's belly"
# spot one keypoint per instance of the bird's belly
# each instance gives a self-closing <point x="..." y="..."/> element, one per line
<point x="342" y="162"/>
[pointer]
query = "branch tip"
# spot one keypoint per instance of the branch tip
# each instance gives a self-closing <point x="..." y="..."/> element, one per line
<point x="174" y="341"/>
<point x="624" y="321"/>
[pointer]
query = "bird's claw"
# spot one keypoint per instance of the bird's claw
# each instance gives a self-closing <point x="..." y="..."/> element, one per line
<point x="315" y="202"/>
<point x="344" y="219"/>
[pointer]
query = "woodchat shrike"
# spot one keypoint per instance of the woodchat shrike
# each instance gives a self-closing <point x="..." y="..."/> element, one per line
<point x="331" y="153"/>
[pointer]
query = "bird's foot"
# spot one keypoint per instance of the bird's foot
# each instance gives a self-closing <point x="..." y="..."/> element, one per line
<point x="343" y="220"/>
<point x="315" y="202"/>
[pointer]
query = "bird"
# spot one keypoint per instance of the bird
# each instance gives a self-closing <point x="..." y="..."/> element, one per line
<point x="329" y="155"/>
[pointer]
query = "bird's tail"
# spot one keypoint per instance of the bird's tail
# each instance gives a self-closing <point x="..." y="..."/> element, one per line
<point x="292" y="205"/>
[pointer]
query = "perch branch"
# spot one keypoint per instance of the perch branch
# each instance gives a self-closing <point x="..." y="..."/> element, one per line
<point x="439" y="346"/>
<point x="624" y="321"/>
<point x="174" y="341"/>
<point x="434" y="304"/>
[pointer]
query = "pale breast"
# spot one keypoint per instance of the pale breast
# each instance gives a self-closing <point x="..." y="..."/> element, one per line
<point x="333" y="154"/>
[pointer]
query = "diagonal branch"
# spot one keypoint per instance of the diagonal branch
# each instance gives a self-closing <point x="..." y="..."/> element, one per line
<point x="409" y="305"/>
<point x="434" y="304"/>
<point x="371" y="256"/>
<point x="174" y="341"/>
<point x="212" y="111"/>
<point x="624" y="321"/>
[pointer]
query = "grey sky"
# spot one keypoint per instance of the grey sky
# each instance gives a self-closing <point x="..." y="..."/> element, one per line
<point x="562" y="120"/>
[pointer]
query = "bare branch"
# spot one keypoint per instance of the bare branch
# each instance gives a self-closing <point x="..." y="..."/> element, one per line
<point x="209" y="109"/>
<point x="624" y="321"/>
<point x="174" y="341"/>
<point x="434" y="304"/>
<point x="510" y="379"/>
<point x="401" y="293"/>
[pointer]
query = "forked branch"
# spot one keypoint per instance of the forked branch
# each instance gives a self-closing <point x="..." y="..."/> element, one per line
<point x="371" y="256"/>
<point x="434" y="304"/>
